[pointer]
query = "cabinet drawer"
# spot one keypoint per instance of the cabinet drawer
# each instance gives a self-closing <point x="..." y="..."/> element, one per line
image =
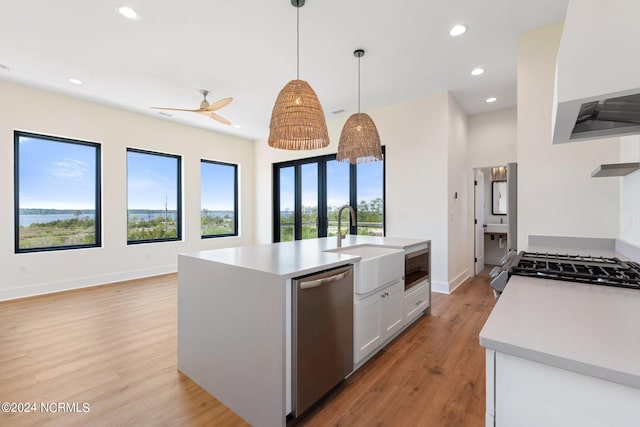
<point x="416" y="301"/>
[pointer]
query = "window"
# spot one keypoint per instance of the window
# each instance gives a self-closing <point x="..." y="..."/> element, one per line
<point x="57" y="193"/>
<point x="153" y="197"/>
<point x="286" y="209"/>
<point x="218" y="199"/>
<point x="370" y="196"/>
<point x="309" y="192"/>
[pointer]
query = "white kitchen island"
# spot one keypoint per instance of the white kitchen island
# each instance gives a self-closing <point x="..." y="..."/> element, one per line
<point x="563" y="354"/>
<point x="234" y="308"/>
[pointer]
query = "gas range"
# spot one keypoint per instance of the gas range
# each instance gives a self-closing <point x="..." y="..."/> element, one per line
<point x="577" y="268"/>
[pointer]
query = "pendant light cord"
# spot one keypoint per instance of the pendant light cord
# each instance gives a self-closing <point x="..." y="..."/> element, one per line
<point x="358" y="84"/>
<point x="297" y="43"/>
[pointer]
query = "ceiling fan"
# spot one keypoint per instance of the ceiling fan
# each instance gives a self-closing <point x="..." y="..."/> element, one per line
<point x="206" y="108"/>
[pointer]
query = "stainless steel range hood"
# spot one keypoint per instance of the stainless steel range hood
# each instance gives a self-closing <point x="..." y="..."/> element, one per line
<point x="597" y="93"/>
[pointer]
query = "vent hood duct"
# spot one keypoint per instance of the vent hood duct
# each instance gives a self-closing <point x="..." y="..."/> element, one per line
<point x="597" y="93"/>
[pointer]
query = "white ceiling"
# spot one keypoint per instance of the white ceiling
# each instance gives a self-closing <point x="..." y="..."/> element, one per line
<point x="247" y="50"/>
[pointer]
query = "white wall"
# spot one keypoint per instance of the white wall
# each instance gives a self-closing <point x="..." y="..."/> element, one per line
<point x="556" y="194"/>
<point x="416" y="137"/>
<point x="493" y="138"/>
<point x="44" y="112"/>
<point x="630" y="192"/>
<point x="460" y="179"/>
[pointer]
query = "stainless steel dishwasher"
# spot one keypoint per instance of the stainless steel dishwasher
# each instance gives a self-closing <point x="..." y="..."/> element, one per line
<point x="322" y="334"/>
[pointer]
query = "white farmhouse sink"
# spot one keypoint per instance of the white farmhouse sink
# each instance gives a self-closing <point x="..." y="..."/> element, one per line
<point x="378" y="266"/>
<point x="496" y="228"/>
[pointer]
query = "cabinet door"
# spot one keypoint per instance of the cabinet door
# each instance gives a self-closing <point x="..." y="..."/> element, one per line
<point x="367" y="327"/>
<point x="392" y="309"/>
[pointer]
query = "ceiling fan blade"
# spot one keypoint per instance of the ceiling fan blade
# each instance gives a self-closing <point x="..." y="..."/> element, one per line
<point x="199" y="110"/>
<point x="217" y="117"/>
<point x="219" y="104"/>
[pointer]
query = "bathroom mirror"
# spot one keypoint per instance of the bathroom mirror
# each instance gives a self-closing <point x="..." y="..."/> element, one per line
<point x="499" y="197"/>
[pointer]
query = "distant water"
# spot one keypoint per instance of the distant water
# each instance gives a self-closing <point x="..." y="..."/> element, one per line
<point x="27" y="220"/>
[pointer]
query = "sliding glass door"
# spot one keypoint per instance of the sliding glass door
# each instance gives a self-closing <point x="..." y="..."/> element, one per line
<point x="309" y="192"/>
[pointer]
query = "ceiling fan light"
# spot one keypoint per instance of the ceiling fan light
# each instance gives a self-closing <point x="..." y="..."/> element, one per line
<point x="297" y="119"/>
<point x="359" y="140"/>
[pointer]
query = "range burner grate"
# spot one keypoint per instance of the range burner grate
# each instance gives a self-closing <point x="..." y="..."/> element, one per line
<point x="578" y="268"/>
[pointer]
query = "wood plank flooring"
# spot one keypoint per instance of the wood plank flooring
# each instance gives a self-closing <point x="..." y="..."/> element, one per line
<point x="431" y="375"/>
<point x="114" y="347"/>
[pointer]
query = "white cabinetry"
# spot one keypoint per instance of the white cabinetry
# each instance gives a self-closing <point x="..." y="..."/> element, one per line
<point x="531" y="394"/>
<point x="392" y="312"/>
<point x="377" y="317"/>
<point x="416" y="300"/>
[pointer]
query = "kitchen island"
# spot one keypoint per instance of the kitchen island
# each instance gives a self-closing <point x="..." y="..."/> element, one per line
<point x="562" y="353"/>
<point x="234" y="318"/>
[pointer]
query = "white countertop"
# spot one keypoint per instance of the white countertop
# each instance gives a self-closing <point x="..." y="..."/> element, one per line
<point x="299" y="257"/>
<point x="593" y="330"/>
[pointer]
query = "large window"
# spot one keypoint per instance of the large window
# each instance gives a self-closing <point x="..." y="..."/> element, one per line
<point x="57" y="193"/>
<point x="153" y="197"/>
<point x="218" y="199"/>
<point x="309" y="192"/>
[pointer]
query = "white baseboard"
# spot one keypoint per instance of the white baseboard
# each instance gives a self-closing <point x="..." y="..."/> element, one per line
<point x="440" y="287"/>
<point x="85" y="282"/>
<point x="448" y="288"/>
<point x="458" y="280"/>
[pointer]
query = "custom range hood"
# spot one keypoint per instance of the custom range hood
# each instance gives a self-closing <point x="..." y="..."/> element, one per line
<point x="597" y="93"/>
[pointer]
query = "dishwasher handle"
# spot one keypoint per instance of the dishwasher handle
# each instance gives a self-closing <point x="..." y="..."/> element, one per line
<point x="306" y="284"/>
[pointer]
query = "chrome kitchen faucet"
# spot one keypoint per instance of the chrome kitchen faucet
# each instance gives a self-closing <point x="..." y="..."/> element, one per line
<point x="352" y="217"/>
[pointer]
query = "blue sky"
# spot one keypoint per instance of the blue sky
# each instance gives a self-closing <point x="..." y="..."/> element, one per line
<point x="369" y="184"/>
<point x="56" y="175"/>
<point x="217" y="186"/>
<point x="151" y="179"/>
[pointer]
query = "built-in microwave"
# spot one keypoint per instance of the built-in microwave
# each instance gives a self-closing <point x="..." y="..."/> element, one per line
<point x="416" y="267"/>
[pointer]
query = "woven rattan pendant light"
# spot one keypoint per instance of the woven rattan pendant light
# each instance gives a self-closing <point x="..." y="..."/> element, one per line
<point x="297" y="119"/>
<point x="359" y="140"/>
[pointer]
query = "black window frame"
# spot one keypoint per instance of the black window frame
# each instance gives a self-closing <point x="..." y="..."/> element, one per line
<point x="323" y="220"/>
<point x="178" y="195"/>
<point x="16" y="187"/>
<point x="235" y="200"/>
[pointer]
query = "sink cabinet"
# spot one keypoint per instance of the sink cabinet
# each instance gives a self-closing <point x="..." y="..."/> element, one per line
<point x="377" y="318"/>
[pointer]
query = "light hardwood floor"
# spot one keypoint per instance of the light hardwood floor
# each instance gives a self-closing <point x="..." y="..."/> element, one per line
<point x="114" y="347"/>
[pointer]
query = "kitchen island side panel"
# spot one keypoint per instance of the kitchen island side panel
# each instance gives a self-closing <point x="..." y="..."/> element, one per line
<point x="231" y="342"/>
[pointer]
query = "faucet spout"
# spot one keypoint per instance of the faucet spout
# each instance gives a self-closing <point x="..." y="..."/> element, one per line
<point x="352" y="216"/>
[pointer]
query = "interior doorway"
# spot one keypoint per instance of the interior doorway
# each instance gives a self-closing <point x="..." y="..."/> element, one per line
<point x="495" y="214"/>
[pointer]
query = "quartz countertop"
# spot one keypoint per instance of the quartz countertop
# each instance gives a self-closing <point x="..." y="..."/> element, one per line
<point x="583" y="328"/>
<point x="299" y="257"/>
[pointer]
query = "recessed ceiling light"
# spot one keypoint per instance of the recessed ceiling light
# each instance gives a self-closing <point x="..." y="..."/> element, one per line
<point x="128" y="13"/>
<point x="236" y="126"/>
<point x="477" y="71"/>
<point x="4" y="67"/>
<point x="492" y="99"/>
<point x="162" y="113"/>
<point x="457" y="30"/>
<point x="75" y="81"/>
